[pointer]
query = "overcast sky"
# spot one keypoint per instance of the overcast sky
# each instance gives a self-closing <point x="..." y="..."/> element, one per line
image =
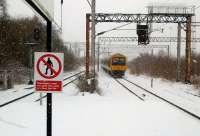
<point x="74" y="14"/>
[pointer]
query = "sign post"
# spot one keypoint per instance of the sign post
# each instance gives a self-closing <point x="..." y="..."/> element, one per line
<point x="45" y="9"/>
<point x="48" y="76"/>
<point x="49" y="95"/>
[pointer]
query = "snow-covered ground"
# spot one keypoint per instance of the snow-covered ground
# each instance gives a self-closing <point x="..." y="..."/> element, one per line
<point x="115" y="113"/>
<point x="19" y="90"/>
<point x="177" y="93"/>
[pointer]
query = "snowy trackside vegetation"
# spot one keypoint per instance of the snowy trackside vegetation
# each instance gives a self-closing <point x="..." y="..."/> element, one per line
<point x="88" y="86"/>
<point x="14" y="53"/>
<point x="20" y="31"/>
<point x="164" y="67"/>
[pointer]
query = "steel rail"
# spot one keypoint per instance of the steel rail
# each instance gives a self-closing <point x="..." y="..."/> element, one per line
<point x="14" y="100"/>
<point x="63" y="79"/>
<point x="169" y="102"/>
<point x="41" y="98"/>
<point x="193" y="94"/>
<point x="73" y="75"/>
<point x="19" y="98"/>
<point x="71" y="81"/>
<point x="63" y="86"/>
<point x="129" y="90"/>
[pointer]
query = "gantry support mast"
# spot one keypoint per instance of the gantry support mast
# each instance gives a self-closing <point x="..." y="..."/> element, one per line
<point x="87" y="53"/>
<point x="188" y="50"/>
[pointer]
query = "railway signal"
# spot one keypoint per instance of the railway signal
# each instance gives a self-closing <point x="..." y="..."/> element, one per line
<point x="142" y="32"/>
<point x="36" y="34"/>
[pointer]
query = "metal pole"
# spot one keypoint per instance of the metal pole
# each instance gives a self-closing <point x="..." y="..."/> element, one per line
<point x="168" y="51"/>
<point x="5" y="79"/>
<point x="40" y="98"/>
<point x="188" y="51"/>
<point x="87" y="53"/>
<point x="48" y="48"/>
<point x="61" y="14"/>
<point x="178" y="78"/>
<point x="150" y="31"/>
<point x="49" y="95"/>
<point x="98" y="55"/>
<point x="152" y="68"/>
<point x="93" y="37"/>
<point x="31" y="68"/>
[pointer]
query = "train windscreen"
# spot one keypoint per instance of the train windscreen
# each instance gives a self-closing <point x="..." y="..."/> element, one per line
<point x="118" y="61"/>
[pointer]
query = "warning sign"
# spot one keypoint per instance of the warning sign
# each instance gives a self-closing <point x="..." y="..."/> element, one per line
<point x="48" y="72"/>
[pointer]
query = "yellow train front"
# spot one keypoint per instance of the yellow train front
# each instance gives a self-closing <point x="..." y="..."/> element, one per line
<point x="116" y="65"/>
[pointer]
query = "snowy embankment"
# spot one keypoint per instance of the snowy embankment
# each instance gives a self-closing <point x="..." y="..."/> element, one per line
<point x="115" y="113"/>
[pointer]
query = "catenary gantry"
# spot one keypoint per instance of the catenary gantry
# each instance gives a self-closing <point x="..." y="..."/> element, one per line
<point x="142" y="18"/>
<point x="185" y="19"/>
<point x="151" y="39"/>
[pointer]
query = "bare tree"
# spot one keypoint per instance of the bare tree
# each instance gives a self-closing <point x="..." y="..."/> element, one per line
<point x="3" y="8"/>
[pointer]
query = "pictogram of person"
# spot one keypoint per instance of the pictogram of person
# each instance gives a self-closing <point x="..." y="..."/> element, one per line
<point x="49" y="63"/>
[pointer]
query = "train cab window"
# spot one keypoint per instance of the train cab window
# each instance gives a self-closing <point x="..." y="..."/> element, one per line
<point x="118" y="61"/>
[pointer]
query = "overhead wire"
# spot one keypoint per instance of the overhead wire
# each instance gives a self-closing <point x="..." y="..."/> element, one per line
<point x="115" y="28"/>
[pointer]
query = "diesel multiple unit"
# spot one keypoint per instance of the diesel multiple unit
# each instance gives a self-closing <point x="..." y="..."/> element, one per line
<point x="115" y="65"/>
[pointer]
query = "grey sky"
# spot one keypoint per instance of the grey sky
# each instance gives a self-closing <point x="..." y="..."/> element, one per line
<point x="74" y="14"/>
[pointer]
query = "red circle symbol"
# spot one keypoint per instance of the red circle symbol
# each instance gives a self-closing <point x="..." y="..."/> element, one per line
<point x="55" y="73"/>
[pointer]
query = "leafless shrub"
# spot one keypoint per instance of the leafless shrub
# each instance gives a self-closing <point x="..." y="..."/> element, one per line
<point x="196" y="81"/>
<point x="164" y="67"/>
<point x="19" y="72"/>
<point x="156" y="66"/>
<point x="88" y="84"/>
<point x="82" y="84"/>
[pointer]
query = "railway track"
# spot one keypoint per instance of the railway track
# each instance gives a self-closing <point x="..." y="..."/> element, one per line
<point x="131" y="91"/>
<point x="192" y="94"/>
<point x="159" y="97"/>
<point x="31" y="93"/>
<point x="65" y="83"/>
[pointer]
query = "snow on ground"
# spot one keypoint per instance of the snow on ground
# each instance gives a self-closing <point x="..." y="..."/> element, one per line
<point x="115" y="113"/>
<point x="14" y="93"/>
<point x="19" y="90"/>
<point x="172" y="91"/>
